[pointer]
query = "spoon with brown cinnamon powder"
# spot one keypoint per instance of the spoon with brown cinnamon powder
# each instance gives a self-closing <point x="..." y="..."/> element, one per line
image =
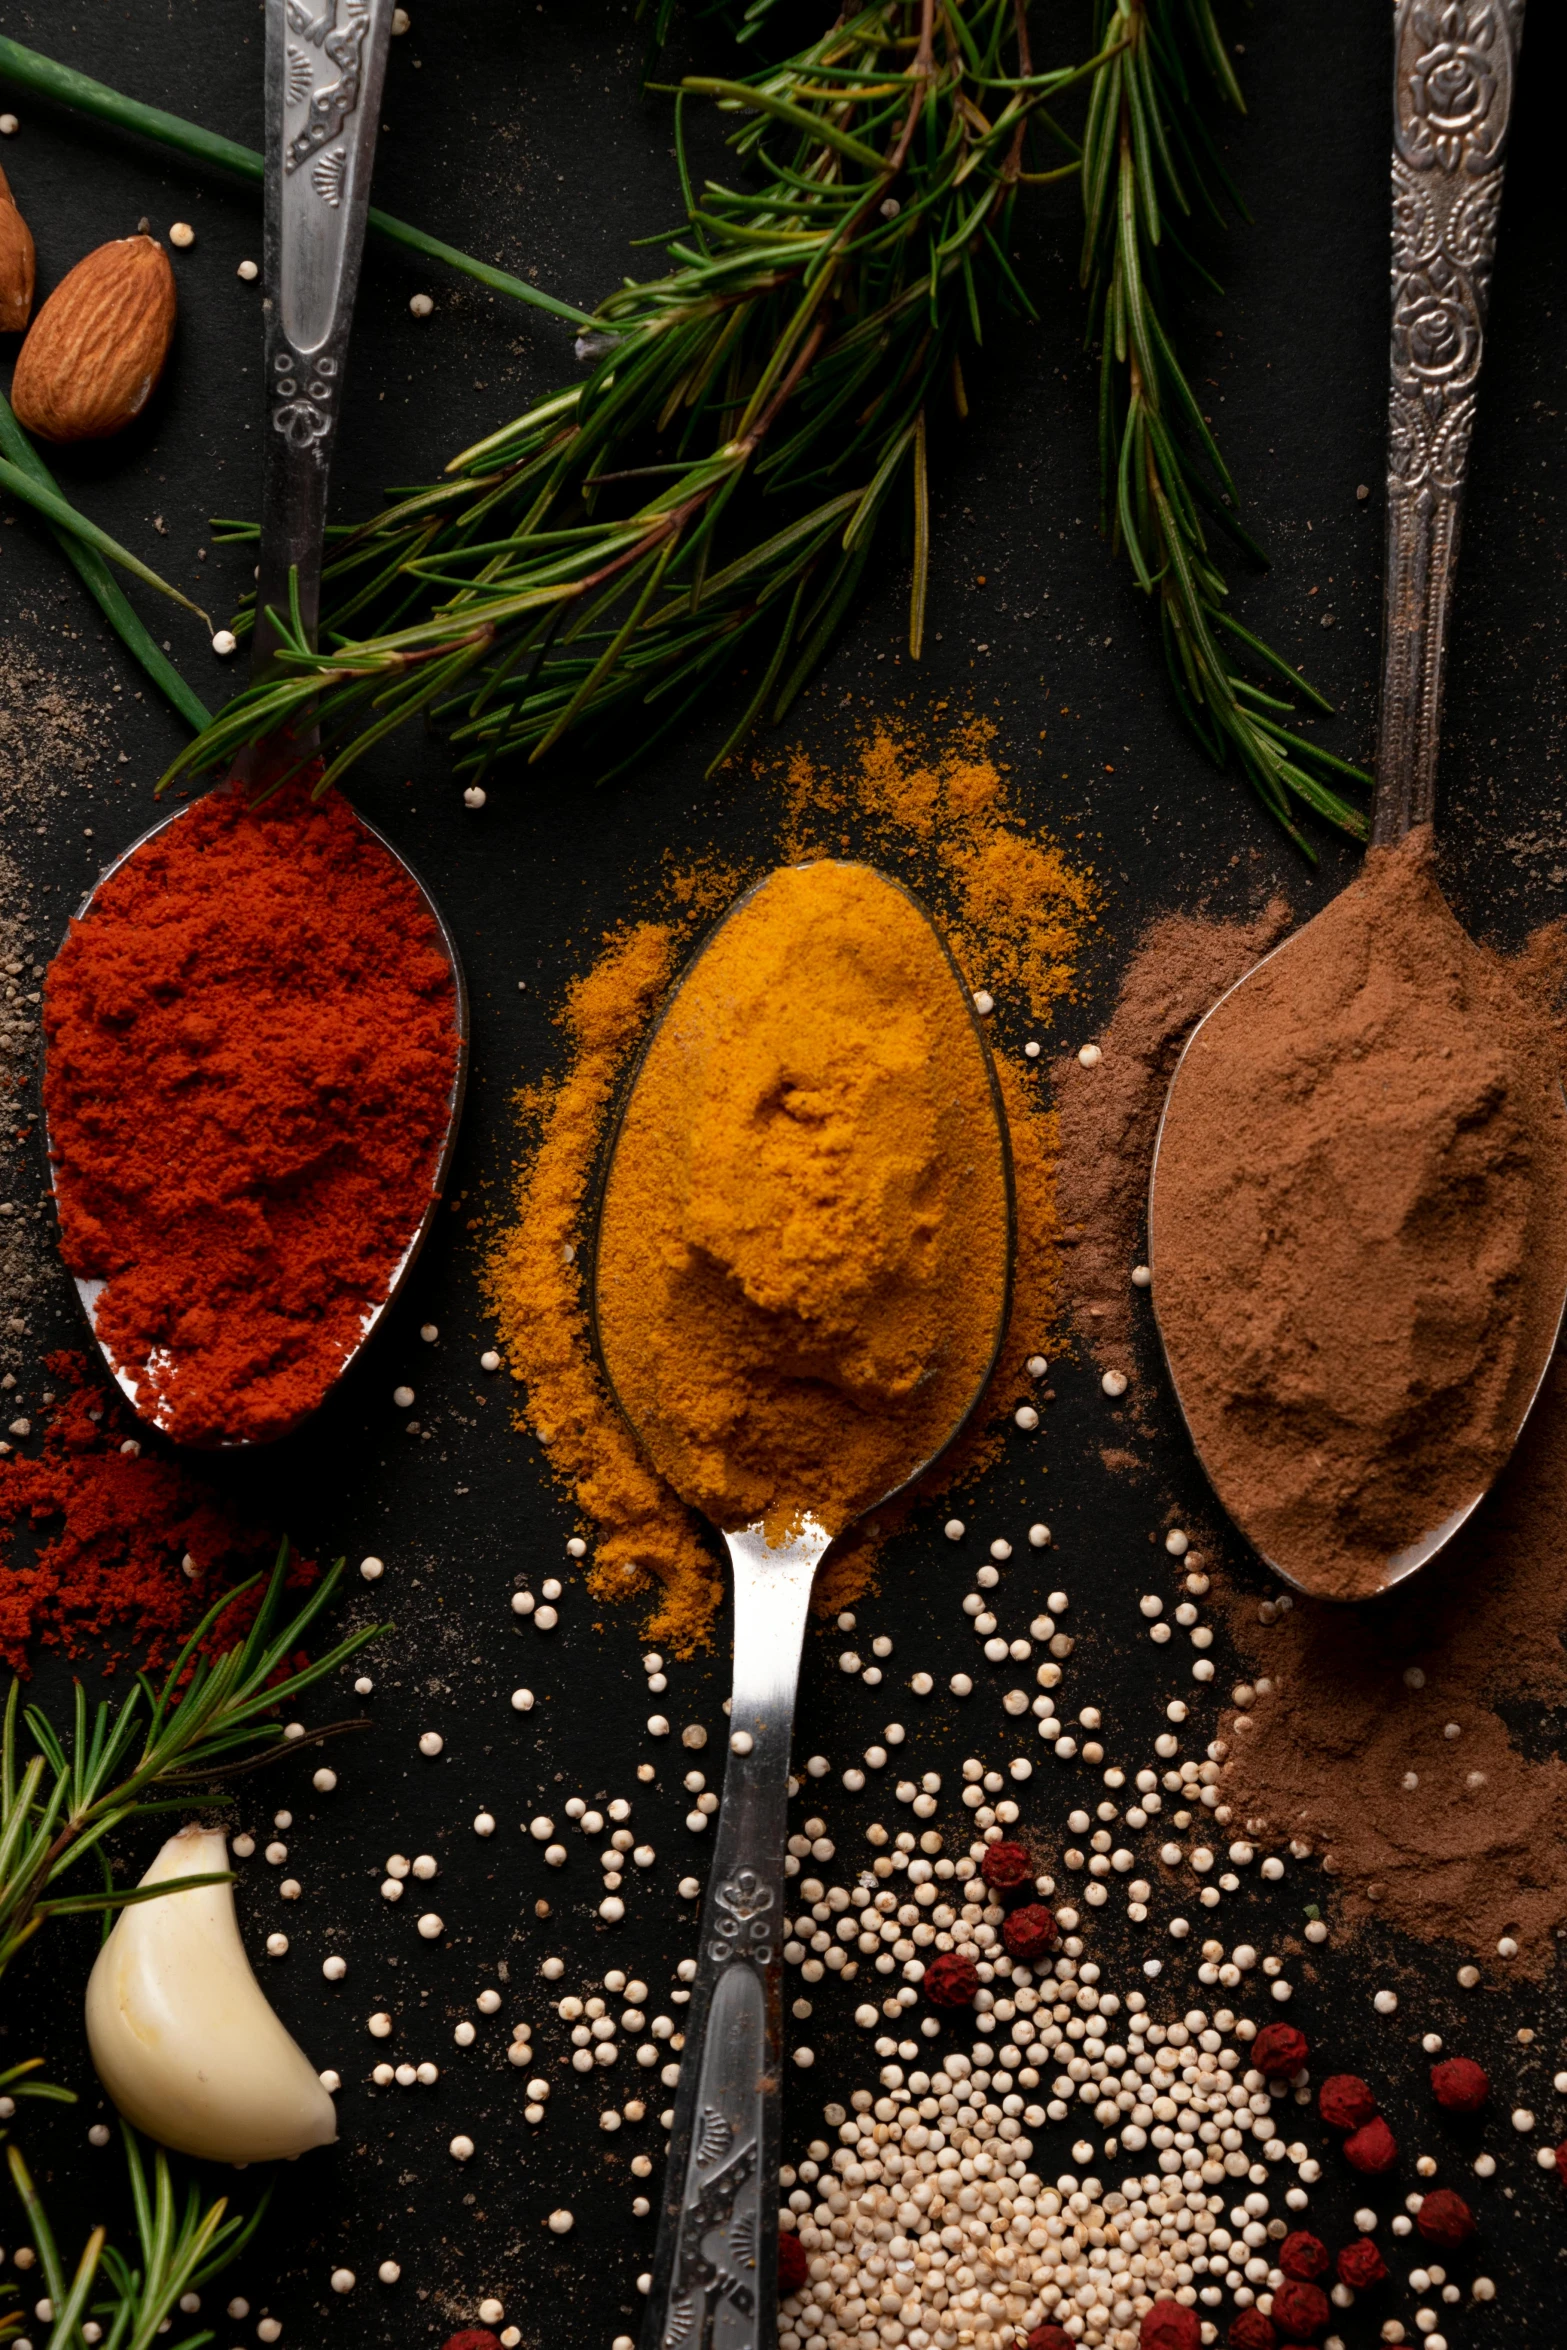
<point x="1358" y="1218"/>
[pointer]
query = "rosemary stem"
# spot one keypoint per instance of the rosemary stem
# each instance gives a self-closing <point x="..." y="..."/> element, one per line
<point x="47" y="78"/>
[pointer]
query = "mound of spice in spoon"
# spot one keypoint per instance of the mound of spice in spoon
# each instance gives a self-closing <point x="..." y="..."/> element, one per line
<point x="1359" y="1227"/>
<point x="805" y="1238"/>
<point x="251" y="1046"/>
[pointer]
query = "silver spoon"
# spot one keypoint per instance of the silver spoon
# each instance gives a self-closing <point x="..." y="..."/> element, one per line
<point x="323" y="107"/>
<point x="1451" y="115"/>
<point x="715" y="2265"/>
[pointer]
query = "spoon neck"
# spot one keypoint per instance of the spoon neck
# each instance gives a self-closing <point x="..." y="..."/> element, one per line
<point x="1447" y="189"/>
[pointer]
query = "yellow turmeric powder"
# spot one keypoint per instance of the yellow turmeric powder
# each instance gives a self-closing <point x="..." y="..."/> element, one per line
<point x="1015" y="908"/>
<point x="804" y="1254"/>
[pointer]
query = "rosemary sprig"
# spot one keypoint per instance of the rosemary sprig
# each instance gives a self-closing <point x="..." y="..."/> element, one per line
<point x="1149" y="162"/>
<point x="210" y="1718"/>
<point x="710" y="499"/>
<point x="100" y="581"/>
<point x="179" y="2250"/>
<point x="31" y="70"/>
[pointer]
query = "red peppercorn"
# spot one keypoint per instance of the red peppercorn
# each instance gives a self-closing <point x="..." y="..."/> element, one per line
<point x="1303" y="2256"/>
<point x="1445" y="2218"/>
<point x="1049" y="2337"/>
<point x="1169" y="2325"/>
<point x="1279" y="2050"/>
<point x="793" y="2263"/>
<point x="1006" y="1866"/>
<point x="474" y="2338"/>
<point x="1301" y="2310"/>
<point x="1252" y="2331"/>
<point x="951" y="1980"/>
<point x="1460" y="2084"/>
<point x="1372" y="2149"/>
<point x="1030" y="1931"/>
<point x="1345" y="2102"/>
<point x="1561" y="2162"/>
<point x="1361" y="2265"/>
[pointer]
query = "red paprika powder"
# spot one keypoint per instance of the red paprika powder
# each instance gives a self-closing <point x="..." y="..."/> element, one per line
<point x="252" y="1041"/>
<point x="113" y="1550"/>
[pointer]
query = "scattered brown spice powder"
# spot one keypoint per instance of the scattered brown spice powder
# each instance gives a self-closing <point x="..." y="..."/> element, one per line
<point x="1109" y="1114"/>
<point x="1360" y="1697"/>
<point x="1016" y="910"/>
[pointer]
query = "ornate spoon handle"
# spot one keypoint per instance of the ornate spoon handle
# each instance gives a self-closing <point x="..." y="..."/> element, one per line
<point x="715" y="2268"/>
<point x="1454" y="69"/>
<point x="325" y="63"/>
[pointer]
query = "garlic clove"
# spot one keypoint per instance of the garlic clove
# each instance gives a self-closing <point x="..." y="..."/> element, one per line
<point x="182" y="2034"/>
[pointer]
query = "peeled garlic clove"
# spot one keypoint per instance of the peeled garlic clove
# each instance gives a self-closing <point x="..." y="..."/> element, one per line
<point x="182" y="2034"/>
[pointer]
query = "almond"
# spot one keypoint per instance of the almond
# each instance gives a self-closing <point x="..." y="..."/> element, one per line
<point x="16" y="264"/>
<point x="98" y="345"/>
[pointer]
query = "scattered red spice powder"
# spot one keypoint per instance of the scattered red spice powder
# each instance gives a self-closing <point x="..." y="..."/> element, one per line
<point x="116" y="1528"/>
<point x="1360" y="2266"/>
<point x="951" y="1980"/>
<point x="251" y="1044"/>
<point x="1345" y="2102"/>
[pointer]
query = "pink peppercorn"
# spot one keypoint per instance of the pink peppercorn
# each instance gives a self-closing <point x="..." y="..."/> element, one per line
<point x="1372" y="2149"/>
<point x="474" y="2338"/>
<point x="794" y="2264"/>
<point x="1345" y="2102"/>
<point x="1169" y="2325"/>
<point x="1279" y="2051"/>
<point x="1460" y="2085"/>
<point x="1361" y="2265"/>
<point x="1049" y="2337"/>
<point x="1301" y="2310"/>
<point x="1030" y="1931"/>
<point x="1303" y="2256"/>
<point x="1252" y="2331"/>
<point x="1445" y="2218"/>
<point x="951" y="1980"/>
<point x="1006" y="1867"/>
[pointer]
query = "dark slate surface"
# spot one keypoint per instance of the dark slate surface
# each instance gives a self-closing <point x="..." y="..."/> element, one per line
<point x="520" y="133"/>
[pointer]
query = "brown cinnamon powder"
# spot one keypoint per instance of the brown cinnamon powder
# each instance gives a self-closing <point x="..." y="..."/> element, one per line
<point x="1353" y="1703"/>
<point x="1109" y="1114"/>
<point x="1359" y="1228"/>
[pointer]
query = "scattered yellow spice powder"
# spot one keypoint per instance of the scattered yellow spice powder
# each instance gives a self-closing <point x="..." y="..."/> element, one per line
<point x="1015" y="909"/>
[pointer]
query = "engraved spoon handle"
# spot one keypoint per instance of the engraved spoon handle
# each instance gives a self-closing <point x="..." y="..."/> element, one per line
<point x="715" y="2268"/>
<point x="1454" y="71"/>
<point x="325" y="63"/>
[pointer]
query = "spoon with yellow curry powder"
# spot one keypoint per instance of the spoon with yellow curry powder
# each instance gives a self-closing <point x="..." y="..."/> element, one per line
<point x="801" y="1280"/>
<point x="1358" y="1222"/>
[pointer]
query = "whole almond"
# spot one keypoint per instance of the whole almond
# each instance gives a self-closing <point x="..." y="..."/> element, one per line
<point x="97" y="347"/>
<point x="16" y="264"/>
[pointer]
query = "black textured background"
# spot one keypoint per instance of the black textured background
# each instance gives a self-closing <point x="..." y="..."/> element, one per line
<point x="519" y="132"/>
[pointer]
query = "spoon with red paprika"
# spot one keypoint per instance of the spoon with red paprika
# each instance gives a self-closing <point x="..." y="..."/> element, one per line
<point x="256" y="1030"/>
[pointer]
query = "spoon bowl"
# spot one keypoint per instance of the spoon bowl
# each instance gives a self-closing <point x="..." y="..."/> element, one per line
<point x="140" y="1390"/>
